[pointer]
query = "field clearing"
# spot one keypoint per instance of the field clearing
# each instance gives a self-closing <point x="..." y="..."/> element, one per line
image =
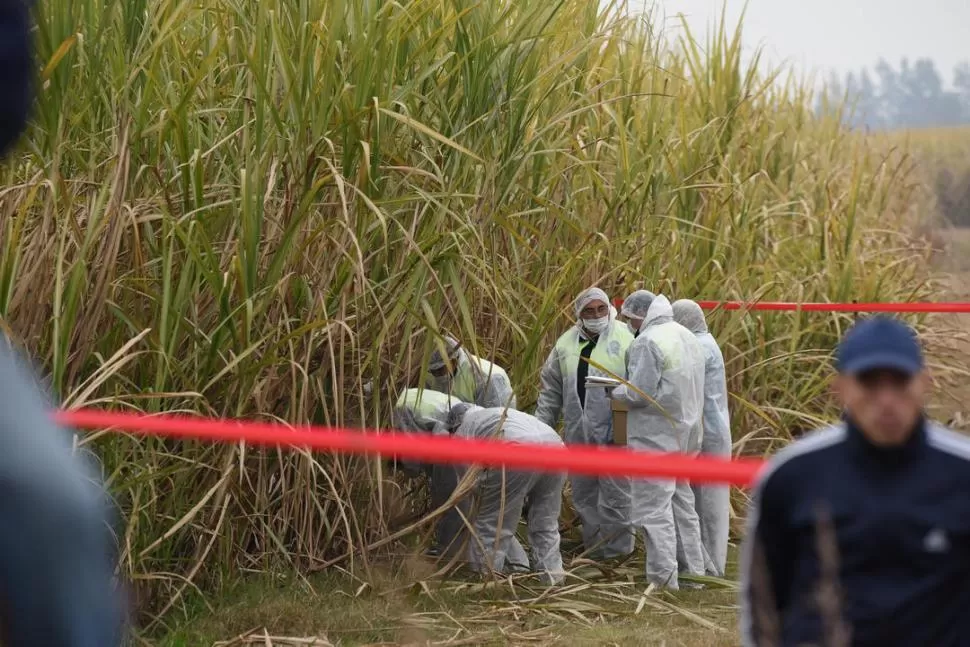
<point x="941" y="159"/>
<point x="951" y="348"/>
<point x="406" y="604"/>
<point x="593" y="608"/>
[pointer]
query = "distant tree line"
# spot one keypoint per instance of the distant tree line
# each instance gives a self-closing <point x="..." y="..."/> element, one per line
<point x="914" y="95"/>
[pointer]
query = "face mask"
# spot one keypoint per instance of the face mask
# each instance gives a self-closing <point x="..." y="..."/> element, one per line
<point x="596" y="326"/>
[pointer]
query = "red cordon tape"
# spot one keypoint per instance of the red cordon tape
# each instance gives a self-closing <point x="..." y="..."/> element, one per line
<point x="575" y="459"/>
<point x="593" y="461"/>
<point x="776" y="306"/>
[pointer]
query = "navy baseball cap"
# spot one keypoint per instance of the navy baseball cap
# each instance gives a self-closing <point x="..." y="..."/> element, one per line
<point x="879" y="343"/>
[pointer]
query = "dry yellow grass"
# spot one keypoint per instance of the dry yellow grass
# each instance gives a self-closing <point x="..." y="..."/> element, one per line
<point x="941" y="159"/>
<point x="397" y="606"/>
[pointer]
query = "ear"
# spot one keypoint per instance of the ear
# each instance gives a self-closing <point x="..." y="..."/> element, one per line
<point x="926" y="379"/>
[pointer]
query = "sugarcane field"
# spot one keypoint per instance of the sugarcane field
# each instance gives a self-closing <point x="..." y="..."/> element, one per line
<point x="498" y="322"/>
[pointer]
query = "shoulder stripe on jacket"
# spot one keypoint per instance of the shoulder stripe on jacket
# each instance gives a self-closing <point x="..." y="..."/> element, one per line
<point x="949" y="441"/>
<point x="813" y="442"/>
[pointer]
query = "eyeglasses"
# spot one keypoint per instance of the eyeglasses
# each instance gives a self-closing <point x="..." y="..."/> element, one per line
<point x="593" y="312"/>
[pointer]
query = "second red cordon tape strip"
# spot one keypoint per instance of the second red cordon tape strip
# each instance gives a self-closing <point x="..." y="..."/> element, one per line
<point x="779" y="306"/>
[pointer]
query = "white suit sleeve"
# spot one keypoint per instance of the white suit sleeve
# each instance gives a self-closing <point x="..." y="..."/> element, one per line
<point x="717" y="420"/>
<point x="644" y="371"/>
<point x="549" y="407"/>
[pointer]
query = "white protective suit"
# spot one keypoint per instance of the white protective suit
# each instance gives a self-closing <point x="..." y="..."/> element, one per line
<point x="666" y="364"/>
<point x="713" y="502"/>
<point x="425" y="410"/>
<point x="495" y="517"/>
<point x="422" y="409"/>
<point x="602" y="503"/>
<point x="474" y="380"/>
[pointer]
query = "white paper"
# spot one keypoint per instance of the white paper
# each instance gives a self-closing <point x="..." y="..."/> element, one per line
<point x="605" y="382"/>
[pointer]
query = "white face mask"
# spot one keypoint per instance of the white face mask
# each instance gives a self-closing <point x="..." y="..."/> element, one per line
<point x="596" y="326"/>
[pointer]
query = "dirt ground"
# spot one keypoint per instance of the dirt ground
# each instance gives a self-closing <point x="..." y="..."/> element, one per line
<point x="949" y="345"/>
<point x="397" y="608"/>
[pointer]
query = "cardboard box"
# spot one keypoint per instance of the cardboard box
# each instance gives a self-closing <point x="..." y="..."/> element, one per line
<point x="620" y="410"/>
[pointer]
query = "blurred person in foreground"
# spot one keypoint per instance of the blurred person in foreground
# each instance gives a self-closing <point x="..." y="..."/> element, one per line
<point x="57" y="555"/>
<point x="597" y="345"/>
<point x="500" y="495"/>
<point x="859" y="534"/>
<point x="667" y="366"/>
<point x="427" y="411"/>
<point x="469" y="378"/>
<point x="634" y="310"/>
<point x="712" y="502"/>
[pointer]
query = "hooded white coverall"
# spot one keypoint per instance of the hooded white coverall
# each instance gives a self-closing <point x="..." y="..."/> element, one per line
<point x="426" y="410"/>
<point x="602" y="503"/>
<point x="422" y="409"/>
<point x="501" y="494"/>
<point x="475" y="380"/>
<point x="713" y="502"/>
<point x="666" y="364"/>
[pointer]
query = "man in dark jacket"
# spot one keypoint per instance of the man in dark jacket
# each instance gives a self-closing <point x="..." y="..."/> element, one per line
<point x="56" y="550"/>
<point x="860" y="534"/>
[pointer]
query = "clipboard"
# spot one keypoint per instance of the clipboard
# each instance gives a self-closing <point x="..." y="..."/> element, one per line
<point x="619" y="409"/>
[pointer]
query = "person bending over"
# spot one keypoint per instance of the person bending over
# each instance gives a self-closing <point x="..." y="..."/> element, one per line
<point x="500" y="494"/>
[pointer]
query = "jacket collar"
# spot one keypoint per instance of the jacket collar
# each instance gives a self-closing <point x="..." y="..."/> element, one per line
<point x="911" y="447"/>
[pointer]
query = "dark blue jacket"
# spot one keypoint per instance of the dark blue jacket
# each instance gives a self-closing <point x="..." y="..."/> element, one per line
<point x="846" y="536"/>
<point x="15" y="70"/>
<point x="57" y="553"/>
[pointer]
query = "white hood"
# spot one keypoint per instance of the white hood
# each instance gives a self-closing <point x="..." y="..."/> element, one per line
<point x="660" y="312"/>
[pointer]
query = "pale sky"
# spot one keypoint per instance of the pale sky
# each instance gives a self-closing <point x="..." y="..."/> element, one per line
<point x="818" y="35"/>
